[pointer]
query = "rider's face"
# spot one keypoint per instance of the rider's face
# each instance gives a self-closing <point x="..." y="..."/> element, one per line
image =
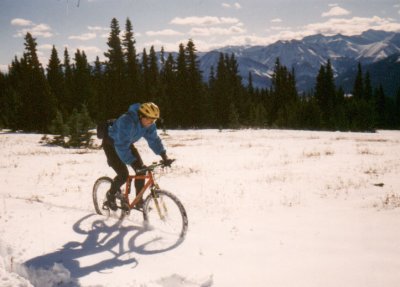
<point x="146" y="122"/>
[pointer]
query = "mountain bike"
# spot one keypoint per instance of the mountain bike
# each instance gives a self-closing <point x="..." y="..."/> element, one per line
<point x="161" y="209"/>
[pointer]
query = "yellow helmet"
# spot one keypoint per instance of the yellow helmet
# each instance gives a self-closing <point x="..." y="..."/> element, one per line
<point x="150" y="110"/>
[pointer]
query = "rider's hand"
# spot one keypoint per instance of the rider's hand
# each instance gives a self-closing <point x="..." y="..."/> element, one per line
<point x="166" y="161"/>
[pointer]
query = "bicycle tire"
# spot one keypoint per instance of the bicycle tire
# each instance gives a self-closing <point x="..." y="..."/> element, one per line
<point x="100" y="188"/>
<point x="173" y="219"/>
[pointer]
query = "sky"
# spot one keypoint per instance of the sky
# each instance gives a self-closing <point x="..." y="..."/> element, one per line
<point x="85" y="24"/>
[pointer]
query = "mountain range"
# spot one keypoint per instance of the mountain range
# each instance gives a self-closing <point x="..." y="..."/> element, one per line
<point x="377" y="51"/>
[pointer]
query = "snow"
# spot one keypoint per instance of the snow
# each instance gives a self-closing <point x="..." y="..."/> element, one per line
<point x="265" y="208"/>
<point x="375" y="50"/>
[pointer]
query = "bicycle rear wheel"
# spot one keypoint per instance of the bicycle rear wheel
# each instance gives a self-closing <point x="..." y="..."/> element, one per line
<point x="100" y="188"/>
<point x="165" y="215"/>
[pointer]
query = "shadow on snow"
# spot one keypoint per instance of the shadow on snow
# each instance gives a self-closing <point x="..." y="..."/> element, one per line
<point x="111" y="240"/>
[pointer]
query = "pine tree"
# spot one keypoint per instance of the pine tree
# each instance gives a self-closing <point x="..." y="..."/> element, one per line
<point x="360" y="107"/>
<point x="134" y="88"/>
<point x="325" y="94"/>
<point x="211" y="101"/>
<point x="397" y="109"/>
<point x="100" y="104"/>
<point x="67" y="103"/>
<point x="358" y="88"/>
<point x="236" y="88"/>
<point x="250" y="87"/>
<point x="83" y="92"/>
<point x="367" y="87"/>
<point x="194" y="95"/>
<point x="233" y="121"/>
<point x="380" y="107"/>
<point x="153" y="76"/>
<point x="13" y="104"/>
<point x="166" y="103"/>
<point x="79" y="124"/>
<point x="221" y="94"/>
<point x="4" y="100"/>
<point x="146" y="76"/>
<point x="257" y="115"/>
<point x="55" y="77"/>
<point x="60" y="129"/>
<point x="179" y="101"/>
<point x="38" y="104"/>
<point x="284" y="95"/>
<point x="114" y="74"/>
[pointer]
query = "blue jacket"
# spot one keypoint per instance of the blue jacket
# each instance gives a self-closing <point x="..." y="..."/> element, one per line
<point x="127" y="130"/>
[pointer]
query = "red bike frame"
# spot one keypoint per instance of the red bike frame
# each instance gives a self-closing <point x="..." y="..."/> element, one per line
<point x="150" y="182"/>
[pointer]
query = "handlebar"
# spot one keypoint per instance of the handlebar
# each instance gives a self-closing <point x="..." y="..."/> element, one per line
<point x="153" y="166"/>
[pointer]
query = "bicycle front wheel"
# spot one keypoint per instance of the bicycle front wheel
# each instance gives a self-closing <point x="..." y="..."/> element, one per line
<point x="164" y="214"/>
<point x="100" y="189"/>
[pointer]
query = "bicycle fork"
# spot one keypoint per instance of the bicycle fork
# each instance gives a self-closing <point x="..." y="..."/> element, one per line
<point x="158" y="203"/>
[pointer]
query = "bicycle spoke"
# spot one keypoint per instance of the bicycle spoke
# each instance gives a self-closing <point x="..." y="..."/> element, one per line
<point x="100" y="189"/>
<point x="165" y="215"/>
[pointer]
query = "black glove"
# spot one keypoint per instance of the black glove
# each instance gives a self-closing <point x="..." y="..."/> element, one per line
<point x="165" y="160"/>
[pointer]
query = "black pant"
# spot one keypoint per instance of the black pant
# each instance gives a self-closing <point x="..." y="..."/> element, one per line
<point x="120" y="167"/>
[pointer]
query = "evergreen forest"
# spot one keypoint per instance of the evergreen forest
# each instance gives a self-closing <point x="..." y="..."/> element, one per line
<point x="70" y="94"/>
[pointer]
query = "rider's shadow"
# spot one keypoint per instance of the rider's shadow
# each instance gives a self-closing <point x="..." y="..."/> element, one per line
<point x="113" y="241"/>
<point x="101" y="238"/>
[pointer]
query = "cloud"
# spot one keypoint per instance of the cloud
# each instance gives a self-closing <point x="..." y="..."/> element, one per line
<point x="276" y="20"/>
<point x="235" y="5"/>
<point x="83" y="37"/>
<point x="333" y="26"/>
<point x="3" y="68"/>
<point x="168" y="46"/>
<point x="349" y="27"/>
<point x="336" y="11"/>
<point x="98" y="29"/>
<point x="240" y="40"/>
<point x="204" y="21"/>
<point x="21" y="22"/>
<point x="277" y="28"/>
<point x="37" y="30"/>
<point x="353" y="26"/>
<point x="213" y="31"/>
<point x="165" y="32"/>
<point x="92" y="50"/>
<point x="45" y="47"/>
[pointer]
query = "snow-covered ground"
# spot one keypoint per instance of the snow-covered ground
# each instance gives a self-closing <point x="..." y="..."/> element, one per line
<point x="265" y="208"/>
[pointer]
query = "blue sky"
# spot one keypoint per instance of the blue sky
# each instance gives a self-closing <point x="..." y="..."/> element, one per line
<point x="84" y="24"/>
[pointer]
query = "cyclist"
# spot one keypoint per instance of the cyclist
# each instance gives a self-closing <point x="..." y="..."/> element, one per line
<point x="118" y="145"/>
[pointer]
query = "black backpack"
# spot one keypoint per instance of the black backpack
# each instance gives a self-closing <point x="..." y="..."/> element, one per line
<point x="102" y="128"/>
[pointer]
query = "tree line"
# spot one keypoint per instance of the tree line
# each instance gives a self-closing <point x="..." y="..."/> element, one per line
<point x="70" y="94"/>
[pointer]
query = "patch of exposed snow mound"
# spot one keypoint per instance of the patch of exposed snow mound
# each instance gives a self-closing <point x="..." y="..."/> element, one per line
<point x="13" y="274"/>
<point x="176" y="280"/>
<point x="57" y="275"/>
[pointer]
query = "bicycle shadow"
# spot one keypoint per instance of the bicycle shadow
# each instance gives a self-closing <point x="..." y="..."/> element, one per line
<point x="108" y="239"/>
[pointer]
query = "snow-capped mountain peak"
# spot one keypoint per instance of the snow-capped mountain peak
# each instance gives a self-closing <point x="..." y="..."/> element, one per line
<point x="307" y="55"/>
